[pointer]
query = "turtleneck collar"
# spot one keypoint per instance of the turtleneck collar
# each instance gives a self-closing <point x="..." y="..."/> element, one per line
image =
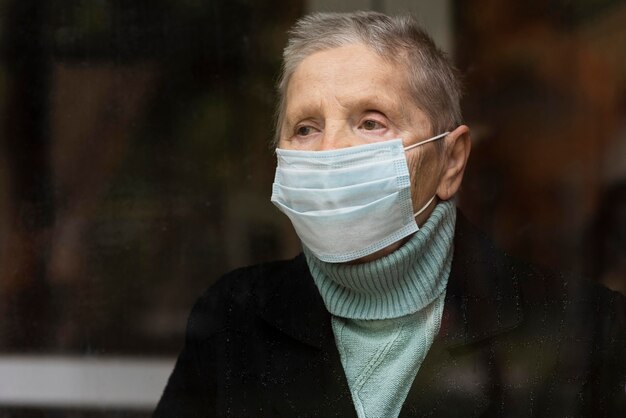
<point x="398" y="284"/>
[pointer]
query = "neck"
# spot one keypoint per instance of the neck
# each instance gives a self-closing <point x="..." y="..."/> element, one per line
<point x="396" y="284"/>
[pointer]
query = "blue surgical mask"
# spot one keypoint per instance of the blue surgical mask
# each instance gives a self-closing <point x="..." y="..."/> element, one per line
<point x="347" y="203"/>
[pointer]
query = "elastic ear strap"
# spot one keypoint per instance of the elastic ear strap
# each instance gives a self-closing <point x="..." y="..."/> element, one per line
<point x="434" y="138"/>
<point x="425" y="206"/>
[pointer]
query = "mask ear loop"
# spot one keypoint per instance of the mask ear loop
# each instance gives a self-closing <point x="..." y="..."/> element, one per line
<point x="434" y="138"/>
<point x="425" y="206"/>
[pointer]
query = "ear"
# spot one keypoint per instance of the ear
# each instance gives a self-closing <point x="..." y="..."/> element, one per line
<point x="457" y="150"/>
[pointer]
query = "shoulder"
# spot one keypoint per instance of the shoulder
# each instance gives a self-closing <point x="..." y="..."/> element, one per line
<point x="236" y="296"/>
<point x="479" y="257"/>
<point x="538" y="297"/>
<point x="575" y="300"/>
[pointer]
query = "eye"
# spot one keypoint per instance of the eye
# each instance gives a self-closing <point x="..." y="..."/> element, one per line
<point x="371" y="125"/>
<point x="304" y="130"/>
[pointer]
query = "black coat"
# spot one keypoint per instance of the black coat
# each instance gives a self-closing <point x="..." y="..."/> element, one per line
<point x="514" y="341"/>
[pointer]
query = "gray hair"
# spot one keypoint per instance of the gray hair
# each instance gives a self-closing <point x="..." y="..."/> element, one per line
<point x="432" y="79"/>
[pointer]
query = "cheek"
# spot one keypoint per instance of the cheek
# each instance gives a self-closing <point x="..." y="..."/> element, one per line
<point x="423" y="171"/>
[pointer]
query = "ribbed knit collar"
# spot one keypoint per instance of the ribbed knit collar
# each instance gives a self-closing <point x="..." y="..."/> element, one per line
<point x="398" y="284"/>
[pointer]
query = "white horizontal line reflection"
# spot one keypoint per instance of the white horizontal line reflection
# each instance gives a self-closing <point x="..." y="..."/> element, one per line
<point x="83" y="382"/>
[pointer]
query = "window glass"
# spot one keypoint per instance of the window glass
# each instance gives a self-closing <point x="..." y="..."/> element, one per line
<point x="136" y="165"/>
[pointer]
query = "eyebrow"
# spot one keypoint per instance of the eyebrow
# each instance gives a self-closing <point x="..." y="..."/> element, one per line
<point x="387" y="106"/>
<point x="300" y="113"/>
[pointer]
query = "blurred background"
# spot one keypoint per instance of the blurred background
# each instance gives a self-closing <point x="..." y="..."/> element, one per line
<point x="136" y="167"/>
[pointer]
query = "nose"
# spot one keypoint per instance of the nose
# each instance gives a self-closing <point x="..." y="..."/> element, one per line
<point x="336" y="135"/>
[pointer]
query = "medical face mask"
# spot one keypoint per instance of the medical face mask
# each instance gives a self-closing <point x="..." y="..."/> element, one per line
<point x="347" y="203"/>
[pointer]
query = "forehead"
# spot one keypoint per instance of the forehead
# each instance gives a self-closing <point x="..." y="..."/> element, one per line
<point x="346" y="75"/>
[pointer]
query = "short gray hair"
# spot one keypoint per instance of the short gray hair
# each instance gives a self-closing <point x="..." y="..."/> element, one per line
<point x="433" y="80"/>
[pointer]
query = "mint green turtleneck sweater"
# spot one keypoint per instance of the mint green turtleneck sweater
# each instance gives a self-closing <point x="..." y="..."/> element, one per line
<point x="386" y="313"/>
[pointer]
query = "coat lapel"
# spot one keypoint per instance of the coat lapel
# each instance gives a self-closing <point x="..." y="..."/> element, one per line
<point x="314" y="383"/>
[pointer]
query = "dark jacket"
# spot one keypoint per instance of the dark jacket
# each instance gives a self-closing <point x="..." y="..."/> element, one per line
<point x="514" y="341"/>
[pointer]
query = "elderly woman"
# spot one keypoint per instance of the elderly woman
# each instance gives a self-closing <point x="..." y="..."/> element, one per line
<point x="397" y="306"/>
